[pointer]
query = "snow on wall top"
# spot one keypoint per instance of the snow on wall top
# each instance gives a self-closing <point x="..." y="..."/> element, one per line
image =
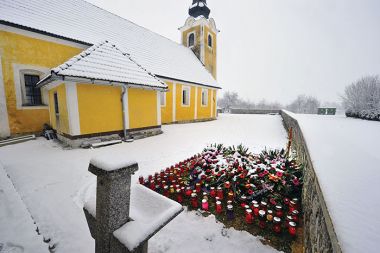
<point x="105" y="61"/>
<point x="111" y="163"/>
<point x="149" y="211"/>
<point x="82" y="21"/>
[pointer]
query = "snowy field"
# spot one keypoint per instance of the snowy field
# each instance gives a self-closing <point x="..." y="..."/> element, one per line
<point x="53" y="183"/>
<point x="346" y="158"/>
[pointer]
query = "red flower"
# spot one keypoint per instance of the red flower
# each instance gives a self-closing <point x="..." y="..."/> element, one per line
<point x="279" y="173"/>
<point x="250" y="191"/>
<point x="296" y="182"/>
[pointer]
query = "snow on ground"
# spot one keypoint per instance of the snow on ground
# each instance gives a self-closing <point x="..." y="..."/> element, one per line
<point x="17" y="230"/>
<point x="346" y="158"/>
<point x="54" y="182"/>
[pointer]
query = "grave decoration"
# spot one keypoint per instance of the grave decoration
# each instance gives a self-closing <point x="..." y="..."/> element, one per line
<point x="262" y="190"/>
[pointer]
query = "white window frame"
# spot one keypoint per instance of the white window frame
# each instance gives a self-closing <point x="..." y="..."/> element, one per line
<point x="188" y="89"/>
<point x="188" y="37"/>
<point x="163" y="99"/>
<point x="204" y="91"/>
<point x="19" y="71"/>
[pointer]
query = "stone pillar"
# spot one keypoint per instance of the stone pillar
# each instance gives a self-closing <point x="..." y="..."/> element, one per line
<point x="112" y="203"/>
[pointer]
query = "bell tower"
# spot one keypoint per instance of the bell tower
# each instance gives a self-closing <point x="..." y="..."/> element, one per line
<point x="200" y="35"/>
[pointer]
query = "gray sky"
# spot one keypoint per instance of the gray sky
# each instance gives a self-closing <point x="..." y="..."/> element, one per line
<point x="277" y="49"/>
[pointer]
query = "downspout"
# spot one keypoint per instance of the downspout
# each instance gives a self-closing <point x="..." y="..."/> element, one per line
<point x="124" y="89"/>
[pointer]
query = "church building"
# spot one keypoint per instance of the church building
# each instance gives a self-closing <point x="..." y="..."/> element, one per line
<point x="93" y="75"/>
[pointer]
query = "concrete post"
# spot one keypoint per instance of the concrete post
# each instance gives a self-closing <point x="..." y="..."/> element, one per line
<point x="112" y="203"/>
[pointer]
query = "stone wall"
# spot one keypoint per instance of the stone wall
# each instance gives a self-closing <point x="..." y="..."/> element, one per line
<point x="252" y="111"/>
<point x="319" y="233"/>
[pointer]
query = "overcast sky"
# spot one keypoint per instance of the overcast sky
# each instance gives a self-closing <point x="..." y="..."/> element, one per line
<point x="277" y="49"/>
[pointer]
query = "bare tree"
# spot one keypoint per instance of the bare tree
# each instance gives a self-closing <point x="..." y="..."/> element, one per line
<point x="304" y="104"/>
<point x="228" y="100"/>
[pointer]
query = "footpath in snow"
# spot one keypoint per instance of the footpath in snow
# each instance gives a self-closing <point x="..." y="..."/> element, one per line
<point x="17" y="229"/>
<point x="54" y="183"/>
<point x="346" y="158"/>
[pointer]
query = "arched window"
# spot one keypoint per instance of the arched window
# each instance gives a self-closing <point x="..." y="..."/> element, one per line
<point x="191" y="40"/>
<point x="209" y="41"/>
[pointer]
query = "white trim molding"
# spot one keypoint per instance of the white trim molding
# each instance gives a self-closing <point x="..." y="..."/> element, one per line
<point x="4" y="120"/>
<point x="72" y="108"/>
<point x="18" y="71"/>
<point x="195" y="39"/>
<point x="126" y="109"/>
<point x="162" y="98"/>
<point x="174" y="101"/>
<point x="196" y="103"/>
<point x="159" y="108"/>
<point x="212" y="104"/>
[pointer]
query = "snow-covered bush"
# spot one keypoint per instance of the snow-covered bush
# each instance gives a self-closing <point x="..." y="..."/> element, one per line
<point x="362" y="98"/>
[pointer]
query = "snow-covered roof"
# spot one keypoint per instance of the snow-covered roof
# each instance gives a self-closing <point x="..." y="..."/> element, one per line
<point x="106" y="62"/>
<point x="81" y="21"/>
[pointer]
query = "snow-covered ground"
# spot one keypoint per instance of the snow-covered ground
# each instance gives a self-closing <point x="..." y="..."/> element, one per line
<point x="346" y="158"/>
<point x="53" y="183"/>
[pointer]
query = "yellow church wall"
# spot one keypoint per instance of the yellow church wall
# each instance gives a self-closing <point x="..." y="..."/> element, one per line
<point x="62" y="126"/>
<point x="210" y="52"/>
<point x="214" y="103"/>
<point x="24" y="50"/>
<point x="142" y="106"/>
<point x="167" y="109"/>
<point x="183" y="112"/>
<point x="204" y="112"/>
<point x="100" y="108"/>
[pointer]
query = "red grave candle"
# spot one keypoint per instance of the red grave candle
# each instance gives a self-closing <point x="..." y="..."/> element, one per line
<point x="212" y="192"/>
<point x="141" y="180"/>
<point x="256" y="209"/>
<point x="230" y="195"/>
<point x="243" y="200"/>
<point x="166" y="191"/>
<point x="179" y="196"/>
<point x="248" y="216"/>
<point x="205" y="204"/>
<point x="263" y="205"/>
<point x="277" y="225"/>
<point x="188" y="191"/>
<point x="262" y="219"/>
<point x="218" y="207"/>
<point x="295" y="216"/>
<point x="194" y="200"/>
<point x="198" y="187"/>
<point x="292" y="228"/>
<point x="288" y="220"/>
<point x="279" y="212"/>
<point x="219" y="193"/>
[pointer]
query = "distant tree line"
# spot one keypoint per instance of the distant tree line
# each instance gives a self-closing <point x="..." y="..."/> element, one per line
<point x="302" y="104"/>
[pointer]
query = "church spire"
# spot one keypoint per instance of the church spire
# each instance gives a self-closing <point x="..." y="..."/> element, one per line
<point x="199" y="8"/>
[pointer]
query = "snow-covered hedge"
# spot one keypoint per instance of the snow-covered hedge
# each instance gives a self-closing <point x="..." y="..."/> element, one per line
<point x="371" y="114"/>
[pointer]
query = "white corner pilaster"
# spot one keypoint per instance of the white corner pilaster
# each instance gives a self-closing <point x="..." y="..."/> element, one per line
<point x="212" y="103"/>
<point x="4" y="121"/>
<point x="158" y="108"/>
<point x="126" y="109"/>
<point x="72" y="108"/>
<point x="196" y="103"/>
<point x="174" y="101"/>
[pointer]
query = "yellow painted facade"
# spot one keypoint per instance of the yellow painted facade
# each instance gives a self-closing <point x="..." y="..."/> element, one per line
<point x="167" y="109"/>
<point x="204" y="112"/>
<point x="142" y="106"/>
<point x="59" y="122"/>
<point x="197" y="32"/>
<point x="185" y="112"/>
<point x="99" y="108"/>
<point x="210" y="52"/>
<point x="24" y="50"/>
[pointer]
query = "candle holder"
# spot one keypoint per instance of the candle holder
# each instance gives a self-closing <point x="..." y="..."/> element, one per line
<point x="194" y="200"/>
<point x="212" y="192"/>
<point x="279" y="212"/>
<point x="256" y="209"/>
<point x="230" y="212"/>
<point x="219" y="193"/>
<point x="277" y="225"/>
<point x="295" y="216"/>
<point x="230" y="195"/>
<point x="292" y="229"/>
<point x="166" y="191"/>
<point x="198" y="187"/>
<point x="218" y="207"/>
<point x="141" y="180"/>
<point x="263" y="205"/>
<point x="243" y="200"/>
<point x="269" y="215"/>
<point x="248" y="216"/>
<point x="205" y="204"/>
<point x="262" y="219"/>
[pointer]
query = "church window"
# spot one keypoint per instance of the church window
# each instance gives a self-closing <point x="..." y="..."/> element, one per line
<point x="191" y="40"/>
<point x="209" y="40"/>
<point x="185" y="96"/>
<point x="32" y="94"/>
<point x="204" y="97"/>
<point x="56" y="106"/>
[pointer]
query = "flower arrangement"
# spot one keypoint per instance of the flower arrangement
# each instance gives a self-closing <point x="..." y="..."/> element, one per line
<point x="233" y="182"/>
